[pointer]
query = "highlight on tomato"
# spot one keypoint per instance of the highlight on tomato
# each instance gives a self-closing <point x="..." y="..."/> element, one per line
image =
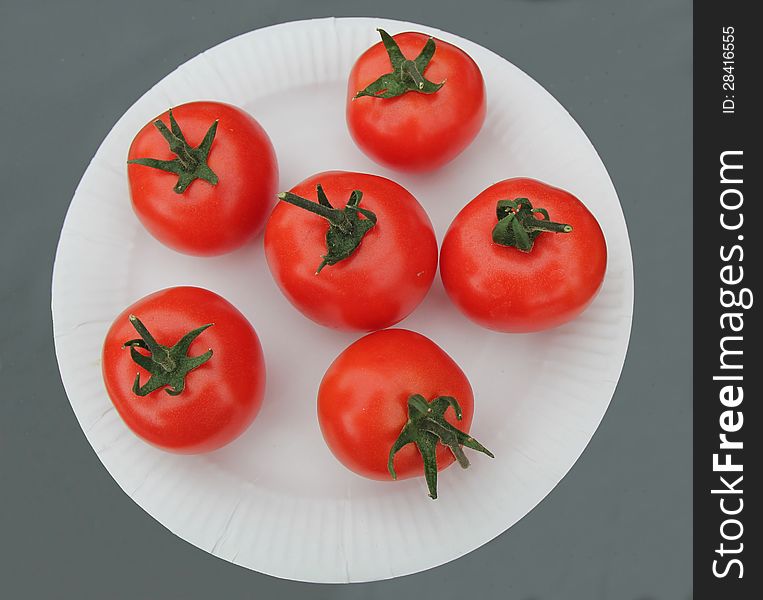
<point x="351" y="250"/>
<point x="523" y="256"/>
<point x="203" y="177"/>
<point x="184" y="369"/>
<point x="394" y="405"/>
<point x="414" y="102"/>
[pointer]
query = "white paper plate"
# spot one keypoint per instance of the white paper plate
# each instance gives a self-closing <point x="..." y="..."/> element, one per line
<point x="276" y="500"/>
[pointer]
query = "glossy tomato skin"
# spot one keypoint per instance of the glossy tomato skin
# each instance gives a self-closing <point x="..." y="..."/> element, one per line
<point x="505" y="289"/>
<point x="386" y="277"/>
<point x="417" y="132"/>
<point x="362" y="400"/>
<point x="221" y="397"/>
<point x="206" y="219"/>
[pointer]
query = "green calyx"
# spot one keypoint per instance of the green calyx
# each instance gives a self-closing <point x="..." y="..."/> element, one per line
<point x="168" y="366"/>
<point x="426" y="426"/>
<point x="190" y="163"/>
<point x="346" y="227"/>
<point x="406" y="75"/>
<point x="519" y="227"/>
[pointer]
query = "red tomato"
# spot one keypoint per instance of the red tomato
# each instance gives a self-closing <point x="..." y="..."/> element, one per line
<point x="368" y="417"/>
<point x="183" y="399"/>
<point x="507" y="289"/>
<point x="415" y="129"/>
<point x="368" y="279"/>
<point x="222" y="198"/>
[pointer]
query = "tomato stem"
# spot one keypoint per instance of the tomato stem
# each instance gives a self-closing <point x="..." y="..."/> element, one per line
<point x="168" y="366"/>
<point x="409" y="69"/>
<point x="190" y="163"/>
<point x="346" y="227"/>
<point x="426" y="426"/>
<point x="518" y="225"/>
<point x="406" y="75"/>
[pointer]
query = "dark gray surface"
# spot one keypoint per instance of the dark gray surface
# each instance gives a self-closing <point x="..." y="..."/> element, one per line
<point x="618" y="526"/>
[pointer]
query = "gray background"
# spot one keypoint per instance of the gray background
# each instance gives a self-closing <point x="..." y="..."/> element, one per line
<point x="618" y="526"/>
